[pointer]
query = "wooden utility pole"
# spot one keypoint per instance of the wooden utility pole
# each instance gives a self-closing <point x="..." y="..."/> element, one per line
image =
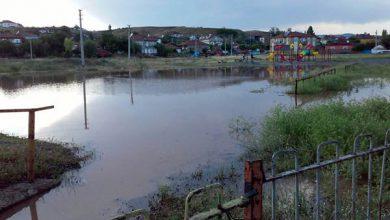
<point x="81" y="40"/>
<point x="129" y="43"/>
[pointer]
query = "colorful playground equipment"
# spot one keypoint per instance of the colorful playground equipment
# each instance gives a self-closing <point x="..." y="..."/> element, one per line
<point x="283" y="53"/>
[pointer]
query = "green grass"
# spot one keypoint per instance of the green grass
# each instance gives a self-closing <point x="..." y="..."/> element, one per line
<point x="342" y="80"/>
<point x="17" y="67"/>
<point x="304" y="128"/>
<point x="51" y="159"/>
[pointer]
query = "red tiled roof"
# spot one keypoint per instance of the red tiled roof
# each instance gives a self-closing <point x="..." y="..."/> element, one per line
<point x="9" y="36"/>
<point x="193" y="43"/>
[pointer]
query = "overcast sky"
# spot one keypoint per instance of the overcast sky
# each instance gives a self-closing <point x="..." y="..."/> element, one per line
<point x="330" y="16"/>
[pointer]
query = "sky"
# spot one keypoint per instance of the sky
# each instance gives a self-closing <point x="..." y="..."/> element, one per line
<point x="327" y="17"/>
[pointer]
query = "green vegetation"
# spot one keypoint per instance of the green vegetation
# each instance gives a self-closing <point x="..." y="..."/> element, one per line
<point x="304" y="128"/>
<point x="51" y="160"/>
<point x="17" y="67"/>
<point x="342" y="80"/>
<point x="90" y="48"/>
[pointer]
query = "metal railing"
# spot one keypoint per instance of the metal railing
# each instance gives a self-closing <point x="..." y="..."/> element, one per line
<point x="252" y="200"/>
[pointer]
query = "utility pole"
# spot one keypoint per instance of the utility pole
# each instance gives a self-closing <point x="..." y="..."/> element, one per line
<point x="376" y="37"/>
<point x="31" y="52"/>
<point x="129" y="43"/>
<point x="81" y="41"/>
<point x="231" y="45"/>
<point x="225" y="46"/>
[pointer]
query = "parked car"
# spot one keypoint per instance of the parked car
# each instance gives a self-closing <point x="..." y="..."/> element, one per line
<point x="100" y="53"/>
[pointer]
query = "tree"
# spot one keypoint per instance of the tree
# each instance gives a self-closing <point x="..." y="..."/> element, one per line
<point x="90" y="48"/>
<point x="274" y="31"/>
<point x="386" y="41"/>
<point x="226" y="33"/>
<point x="310" y="30"/>
<point x="68" y="45"/>
<point x="384" y="33"/>
<point x="354" y="40"/>
<point x="7" y="49"/>
<point x="163" y="51"/>
<point x="109" y="42"/>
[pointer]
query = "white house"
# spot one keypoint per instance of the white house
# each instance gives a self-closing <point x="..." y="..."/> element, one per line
<point x="147" y="43"/>
<point x="9" y="24"/>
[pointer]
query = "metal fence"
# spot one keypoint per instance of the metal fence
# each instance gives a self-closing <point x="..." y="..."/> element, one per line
<point x="252" y="200"/>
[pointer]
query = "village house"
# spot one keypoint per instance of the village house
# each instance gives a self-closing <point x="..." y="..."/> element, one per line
<point x="194" y="45"/>
<point x="13" y="38"/>
<point x="173" y="46"/>
<point x="293" y="39"/>
<point x="365" y="38"/>
<point x="212" y="40"/>
<point x="339" y="48"/>
<point x="9" y="24"/>
<point x="147" y="44"/>
<point x="262" y="37"/>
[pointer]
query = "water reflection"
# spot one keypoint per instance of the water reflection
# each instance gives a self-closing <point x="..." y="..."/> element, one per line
<point x="181" y="120"/>
<point x="85" y="101"/>
<point x="131" y="88"/>
<point x="30" y="204"/>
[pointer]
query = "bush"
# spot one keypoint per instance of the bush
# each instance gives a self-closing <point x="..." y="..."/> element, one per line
<point x="305" y="128"/>
<point x="7" y="49"/>
<point x="90" y="48"/>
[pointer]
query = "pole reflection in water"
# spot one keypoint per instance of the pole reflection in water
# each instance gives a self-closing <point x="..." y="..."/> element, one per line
<point x="131" y="88"/>
<point x="30" y="204"/>
<point x="85" y="102"/>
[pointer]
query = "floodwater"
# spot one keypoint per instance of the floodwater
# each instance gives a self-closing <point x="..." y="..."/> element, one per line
<point x="142" y="127"/>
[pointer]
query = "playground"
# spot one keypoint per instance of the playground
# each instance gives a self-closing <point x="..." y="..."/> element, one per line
<point x="299" y="53"/>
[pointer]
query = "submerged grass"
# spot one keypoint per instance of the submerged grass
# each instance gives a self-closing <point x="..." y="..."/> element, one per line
<point x="51" y="159"/>
<point x="343" y="80"/>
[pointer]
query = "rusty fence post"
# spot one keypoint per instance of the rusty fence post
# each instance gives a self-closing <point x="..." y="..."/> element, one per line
<point x="254" y="179"/>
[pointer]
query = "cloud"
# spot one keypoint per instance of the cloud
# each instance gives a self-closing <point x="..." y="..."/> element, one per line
<point x="245" y="14"/>
<point x="45" y="13"/>
<point x="355" y="15"/>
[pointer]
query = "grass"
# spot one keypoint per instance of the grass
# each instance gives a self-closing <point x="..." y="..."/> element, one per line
<point x="51" y="159"/>
<point x="304" y="128"/>
<point x="342" y="80"/>
<point x="17" y="67"/>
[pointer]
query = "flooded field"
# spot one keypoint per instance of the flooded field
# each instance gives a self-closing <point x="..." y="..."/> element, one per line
<point x="144" y="127"/>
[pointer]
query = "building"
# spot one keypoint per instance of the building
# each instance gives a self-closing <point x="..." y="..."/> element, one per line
<point x="173" y="46"/>
<point x="9" y="24"/>
<point x="293" y="40"/>
<point x="365" y="38"/>
<point x="339" y="48"/>
<point x="194" y="45"/>
<point x="212" y="40"/>
<point x="262" y="37"/>
<point x="13" y="38"/>
<point x="147" y="44"/>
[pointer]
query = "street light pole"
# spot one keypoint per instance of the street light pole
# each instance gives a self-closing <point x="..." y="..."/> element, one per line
<point x="81" y="41"/>
<point x="129" y="43"/>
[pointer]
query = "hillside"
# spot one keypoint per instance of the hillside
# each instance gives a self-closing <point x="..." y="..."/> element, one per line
<point x="159" y="31"/>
